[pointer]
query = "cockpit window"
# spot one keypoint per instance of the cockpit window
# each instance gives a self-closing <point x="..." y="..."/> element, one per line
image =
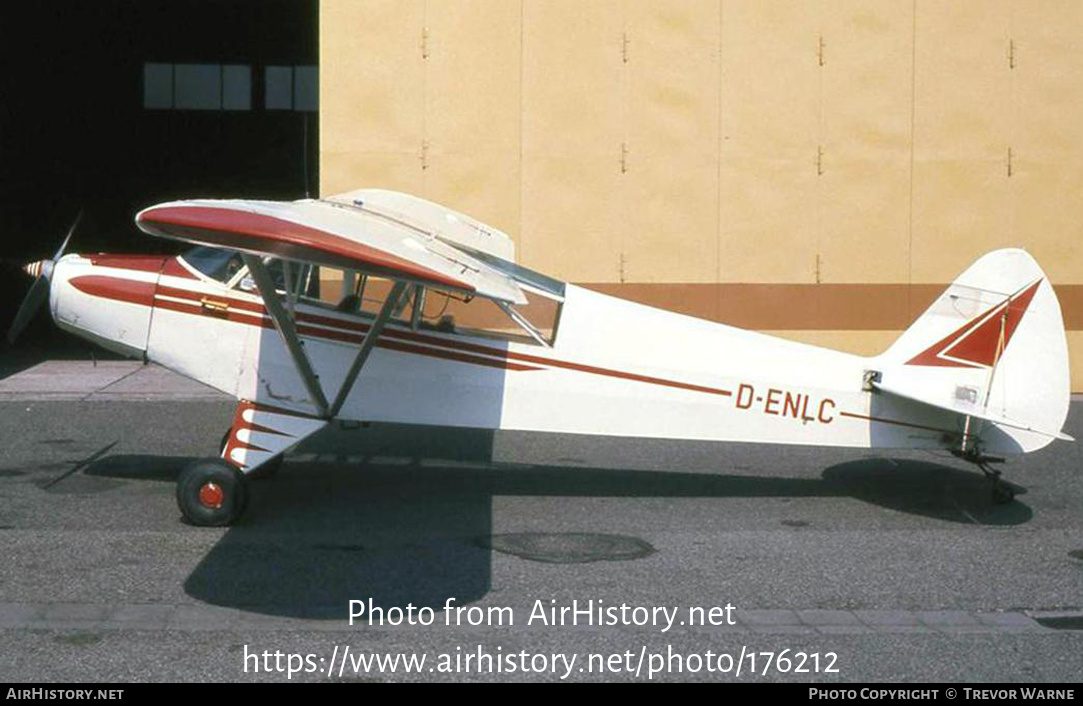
<point x="217" y="264"/>
<point x="304" y="279"/>
<point x="428" y="309"/>
<point x="421" y="308"/>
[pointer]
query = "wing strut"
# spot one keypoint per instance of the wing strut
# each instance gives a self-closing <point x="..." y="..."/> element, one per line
<point x="390" y="304"/>
<point x="288" y="330"/>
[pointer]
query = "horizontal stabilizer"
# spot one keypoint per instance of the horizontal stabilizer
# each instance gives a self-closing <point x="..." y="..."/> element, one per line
<point x="968" y="410"/>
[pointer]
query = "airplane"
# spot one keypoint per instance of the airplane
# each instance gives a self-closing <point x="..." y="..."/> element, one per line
<point x="434" y="323"/>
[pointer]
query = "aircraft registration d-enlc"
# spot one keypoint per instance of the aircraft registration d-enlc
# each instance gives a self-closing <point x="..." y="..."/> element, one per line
<point x="436" y="324"/>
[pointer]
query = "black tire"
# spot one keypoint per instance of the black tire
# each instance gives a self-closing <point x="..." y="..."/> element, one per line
<point x="267" y="470"/>
<point x="211" y="493"/>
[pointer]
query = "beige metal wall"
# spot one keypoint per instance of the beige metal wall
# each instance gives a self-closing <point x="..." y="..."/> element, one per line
<point x="817" y="167"/>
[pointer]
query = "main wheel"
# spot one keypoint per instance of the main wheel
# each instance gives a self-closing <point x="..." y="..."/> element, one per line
<point x="211" y="493"/>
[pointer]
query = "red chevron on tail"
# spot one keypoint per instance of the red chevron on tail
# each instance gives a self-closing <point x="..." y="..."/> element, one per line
<point x="981" y="341"/>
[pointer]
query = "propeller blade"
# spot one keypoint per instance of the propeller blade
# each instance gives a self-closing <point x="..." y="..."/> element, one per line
<point x="39" y="291"/>
<point x="38" y="294"/>
<point x="64" y="245"/>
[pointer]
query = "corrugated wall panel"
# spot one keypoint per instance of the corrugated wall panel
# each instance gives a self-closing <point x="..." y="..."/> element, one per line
<point x="709" y="155"/>
<point x="769" y="206"/>
<point x="472" y="108"/>
<point x="371" y="94"/>
<point x="670" y="182"/>
<point x="865" y="210"/>
<point x="1047" y="139"/>
<point x="962" y="132"/>
<point x="572" y="118"/>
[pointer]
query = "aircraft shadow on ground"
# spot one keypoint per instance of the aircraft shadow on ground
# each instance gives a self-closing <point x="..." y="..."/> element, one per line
<point x="417" y="527"/>
<point x="14" y="360"/>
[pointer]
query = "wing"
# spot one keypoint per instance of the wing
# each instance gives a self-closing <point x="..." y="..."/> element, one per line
<point x="335" y="234"/>
<point x="431" y="218"/>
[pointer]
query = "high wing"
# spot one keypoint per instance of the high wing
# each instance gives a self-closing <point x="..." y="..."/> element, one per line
<point x="362" y="233"/>
<point x="967" y="409"/>
<point x="403" y="238"/>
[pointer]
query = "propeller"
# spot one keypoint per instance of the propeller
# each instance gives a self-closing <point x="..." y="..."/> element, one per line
<point x="42" y="272"/>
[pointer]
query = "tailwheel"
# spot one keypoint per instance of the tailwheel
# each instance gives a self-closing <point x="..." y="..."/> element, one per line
<point x="1002" y="492"/>
<point x="211" y="493"/>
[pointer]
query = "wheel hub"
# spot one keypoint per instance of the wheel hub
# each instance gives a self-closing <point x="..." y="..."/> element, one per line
<point x="211" y="495"/>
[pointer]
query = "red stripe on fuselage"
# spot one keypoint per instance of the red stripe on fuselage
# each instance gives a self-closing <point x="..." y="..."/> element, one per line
<point x="335" y="335"/>
<point x="137" y="263"/>
<point x="398" y="340"/>
<point x="116" y="288"/>
<point x="415" y="337"/>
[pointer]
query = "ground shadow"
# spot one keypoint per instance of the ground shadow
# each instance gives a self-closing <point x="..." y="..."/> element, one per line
<point x="308" y="545"/>
<point x="138" y="467"/>
<point x="15" y="359"/>
<point x="928" y="489"/>
<point x="417" y="528"/>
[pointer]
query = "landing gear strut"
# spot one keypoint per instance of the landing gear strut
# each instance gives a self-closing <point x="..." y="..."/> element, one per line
<point x="1003" y="493"/>
<point x="269" y="469"/>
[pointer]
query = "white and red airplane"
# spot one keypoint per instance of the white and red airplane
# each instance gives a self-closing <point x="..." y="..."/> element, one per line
<point x="437" y="325"/>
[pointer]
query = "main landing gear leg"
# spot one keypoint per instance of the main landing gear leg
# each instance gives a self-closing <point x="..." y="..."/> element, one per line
<point x="269" y="469"/>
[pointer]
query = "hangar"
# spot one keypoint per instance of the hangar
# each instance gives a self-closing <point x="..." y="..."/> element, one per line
<point x="819" y="170"/>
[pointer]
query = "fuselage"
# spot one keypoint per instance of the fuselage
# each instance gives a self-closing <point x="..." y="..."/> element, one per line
<point x="615" y="368"/>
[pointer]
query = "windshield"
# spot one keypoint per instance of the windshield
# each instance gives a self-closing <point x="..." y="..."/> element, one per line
<point x="214" y="263"/>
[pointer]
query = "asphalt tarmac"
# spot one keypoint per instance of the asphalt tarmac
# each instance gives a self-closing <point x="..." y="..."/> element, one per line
<point x="887" y="567"/>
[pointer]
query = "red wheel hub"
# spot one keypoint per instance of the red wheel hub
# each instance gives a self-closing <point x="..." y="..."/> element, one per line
<point x="211" y="495"/>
